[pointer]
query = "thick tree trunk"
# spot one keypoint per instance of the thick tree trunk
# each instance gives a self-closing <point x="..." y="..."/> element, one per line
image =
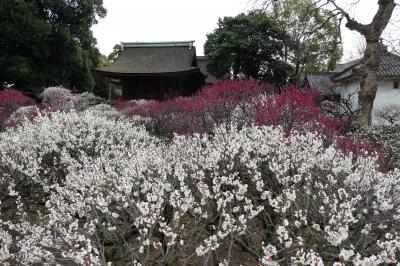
<point x="367" y="72"/>
<point x="368" y="84"/>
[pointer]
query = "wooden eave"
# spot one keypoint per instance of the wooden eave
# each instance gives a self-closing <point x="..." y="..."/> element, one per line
<point x="160" y="74"/>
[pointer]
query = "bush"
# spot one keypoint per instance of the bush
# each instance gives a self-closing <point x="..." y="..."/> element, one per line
<point x="87" y="189"/>
<point x="243" y="102"/>
<point x="211" y="106"/>
<point x="388" y="115"/>
<point x="246" y="103"/>
<point x="60" y="98"/>
<point x="88" y="99"/>
<point x="388" y="140"/>
<point x="21" y="114"/>
<point x="10" y="101"/>
<point x="296" y="110"/>
<point x="104" y="110"/>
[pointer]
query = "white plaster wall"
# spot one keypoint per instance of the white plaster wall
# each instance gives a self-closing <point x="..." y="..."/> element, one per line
<point x="385" y="95"/>
<point x="350" y="91"/>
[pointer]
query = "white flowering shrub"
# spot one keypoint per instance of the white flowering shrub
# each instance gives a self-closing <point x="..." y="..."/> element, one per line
<point x="104" y="110"/>
<point x="60" y="98"/>
<point x="83" y="188"/>
<point x="21" y="114"/>
<point x="388" y="137"/>
<point x="87" y="100"/>
<point x="388" y="115"/>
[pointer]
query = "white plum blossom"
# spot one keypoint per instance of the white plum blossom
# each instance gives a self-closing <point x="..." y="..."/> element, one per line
<point x="94" y="189"/>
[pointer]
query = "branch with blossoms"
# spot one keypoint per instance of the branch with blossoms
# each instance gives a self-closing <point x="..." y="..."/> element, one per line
<point x="84" y="188"/>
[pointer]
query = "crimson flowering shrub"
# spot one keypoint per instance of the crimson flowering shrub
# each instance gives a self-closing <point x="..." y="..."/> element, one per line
<point x="295" y="109"/>
<point x="357" y="147"/>
<point x="383" y="140"/>
<point x="244" y="102"/>
<point x="175" y="115"/>
<point x="364" y="146"/>
<point x="10" y="101"/>
<point x="211" y="106"/>
<point x="222" y="98"/>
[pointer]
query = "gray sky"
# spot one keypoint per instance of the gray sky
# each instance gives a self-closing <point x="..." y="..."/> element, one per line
<point x="175" y="20"/>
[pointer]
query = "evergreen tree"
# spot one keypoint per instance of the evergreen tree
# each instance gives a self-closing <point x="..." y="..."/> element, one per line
<point x="49" y="42"/>
<point x="248" y="45"/>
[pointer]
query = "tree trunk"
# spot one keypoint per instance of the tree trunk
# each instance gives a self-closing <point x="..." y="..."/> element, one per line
<point x="368" y="85"/>
<point x="367" y="72"/>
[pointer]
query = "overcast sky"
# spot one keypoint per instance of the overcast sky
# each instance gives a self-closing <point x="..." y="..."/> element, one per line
<point x="175" y="20"/>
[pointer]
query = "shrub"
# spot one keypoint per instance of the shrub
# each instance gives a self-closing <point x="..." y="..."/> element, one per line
<point x="296" y="110"/>
<point x="242" y="102"/>
<point x="169" y="117"/>
<point x="388" y="115"/>
<point x="91" y="190"/>
<point x="88" y="99"/>
<point x="60" y="98"/>
<point x="246" y="104"/>
<point x="21" y="114"/>
<point x="221" y="99"/>
<point x="387" y="138"/>
<point x="104" y="110"/>
<point x="211" y="106"/>
<point x="10" y="101"/>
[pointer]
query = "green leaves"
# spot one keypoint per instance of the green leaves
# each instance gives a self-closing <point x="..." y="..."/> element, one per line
<point x="281" y="44"/>
<point x="249" y="45"/>
<point x="48" y="42"/>
<point x="315" y="36"/>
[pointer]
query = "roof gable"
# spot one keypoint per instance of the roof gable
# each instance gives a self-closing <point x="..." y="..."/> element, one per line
<point x="154" y="58"/>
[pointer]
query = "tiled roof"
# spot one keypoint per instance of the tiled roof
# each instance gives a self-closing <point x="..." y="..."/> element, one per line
<point x="321" y="82"/>
<point x="153" y="58"/>
<point x="389" y="67"/>
<point x="340" y="67"/>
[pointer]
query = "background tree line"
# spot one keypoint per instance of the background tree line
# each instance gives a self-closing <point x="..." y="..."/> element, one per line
<point x="50" y="42"/>
<point x="279" y="44"/>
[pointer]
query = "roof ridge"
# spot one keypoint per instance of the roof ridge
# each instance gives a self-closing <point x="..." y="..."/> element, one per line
<point x="353" y="65"/>
<point x="393" y="54"/>
<point x="158" y="44"/>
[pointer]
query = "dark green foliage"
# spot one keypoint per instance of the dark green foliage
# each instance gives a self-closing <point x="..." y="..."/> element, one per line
<point x="105" y="87"/>
<point x="248" y="45"/>
<point x="117" y="49"/>
<point x="49" y="42"/>
<point x="281" y="44"/>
